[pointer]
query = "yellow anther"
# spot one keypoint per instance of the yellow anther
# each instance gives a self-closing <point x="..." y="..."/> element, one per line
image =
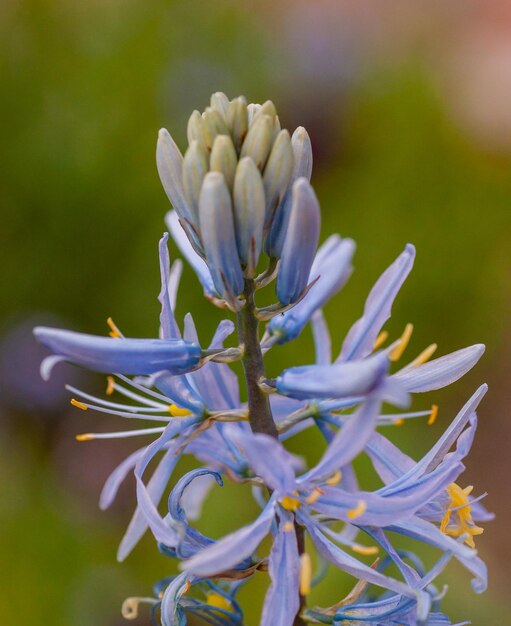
<point x="305" y="574"/>
<point x="399" y="421"/>
<point x="315" y="494"/>
<point x="290" y="503"/>
<point x="460" y="509"/>
<point x="425" y="355"/>
<point x="433" y="415"/>
<point x="397" y="351"/>
<point x="187" y="588"/>
<point x="110" y="385"/>
<point x="177" y="411"/>
<point x="380" y="340"/>
<point x="334" y="479"/>
<point x="114" y="331"/>
<point x="365" y="550"/>
<point x="84" y="437"/>
<point x="289" y="527"/>
<point x="219" y="601"/>
<point x="359" y="510"/>
<point x="79" y="405"/>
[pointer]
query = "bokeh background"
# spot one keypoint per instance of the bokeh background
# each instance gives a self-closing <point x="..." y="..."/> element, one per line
<point x="408" y="104"/>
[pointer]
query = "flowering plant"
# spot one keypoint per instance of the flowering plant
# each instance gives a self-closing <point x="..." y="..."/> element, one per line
<point x="245" y="215"/>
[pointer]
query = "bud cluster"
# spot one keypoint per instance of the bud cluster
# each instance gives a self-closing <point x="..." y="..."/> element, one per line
<point x="242" y="189"/>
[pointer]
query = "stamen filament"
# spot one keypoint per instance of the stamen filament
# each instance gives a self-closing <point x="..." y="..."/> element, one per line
<point x="119" y="434"/>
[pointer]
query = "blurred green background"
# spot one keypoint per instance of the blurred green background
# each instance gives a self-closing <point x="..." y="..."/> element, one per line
<point x="409" y="108"/>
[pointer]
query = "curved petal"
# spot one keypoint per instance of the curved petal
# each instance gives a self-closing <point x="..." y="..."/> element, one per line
<point x="196" y="262"/>
<point x="121" y="356"/>
<point x="233" y="548"/>
<point x="155" y="489"/>
<point x="439" y="372"/>
<point x="353" y="566"/>
<point x="362" y="335"/>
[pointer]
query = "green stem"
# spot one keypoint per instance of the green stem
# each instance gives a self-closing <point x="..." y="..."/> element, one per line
<point x="259" y="410"/>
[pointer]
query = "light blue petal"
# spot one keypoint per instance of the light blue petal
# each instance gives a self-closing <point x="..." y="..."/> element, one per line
<point x="332" y="267"/>
<point x="282" y="601"/>
<point x="119" y="355"/>
<point x="428" y="533"/>
<point x="437" y="453"/>
<point x="360" y="339"/>
<point x="169" y="161"/>
<point x="353" y="566"/>
<point x="384" y="510"/>
<point x="270" y="461"/>
<point x="233" y="548"/>
<point x="341" y="380"/>
<point x="349" y="441"/>
<point x="117" y="477"/>
<point x="196" y="262"/>
<point x="155" y="489"/>
<point x="167" y="321"/>
<point x="163" y="530"/>
<point x="322" y="339"/>
<point x="439" y="372"/>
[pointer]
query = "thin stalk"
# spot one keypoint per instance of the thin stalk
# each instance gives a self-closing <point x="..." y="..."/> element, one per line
<point x="259" y="411"/>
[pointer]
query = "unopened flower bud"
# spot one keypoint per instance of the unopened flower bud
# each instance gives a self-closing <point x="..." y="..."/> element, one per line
<point x="196" y="131"/>
<point x="223" y="158"/>
<point x="249" y="213"/>
<point x="237" y="121"/>
<point x="258" y="141"/>
<point x="220" y="102"/>
<point x="195" y="167"/>
<point x="300" y="243"/>
<point x="277" y="174"/>
<point x="214" y="124"/>
<point x="217" y="230"/>
<point x="302" y="167"/>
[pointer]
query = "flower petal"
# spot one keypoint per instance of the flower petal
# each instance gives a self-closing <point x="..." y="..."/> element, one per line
<point x="167" y="321"/>
<point x="340" y="380"/>
<point x="362" y="335"/>
<point x="196" y="262"/>
<point x="269" y="460"/>
<point x="349" y="441"/>
<point x="233" y="548"/>
<point x="121" y="356"/>
<point x="439" y="372"/>
<point x="282" y="601"/>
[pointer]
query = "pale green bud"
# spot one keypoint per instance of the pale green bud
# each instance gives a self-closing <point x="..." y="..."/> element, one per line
<point x="196" y="130"/>
<point x="237" y="121"/>
<point x="195" y="167"/>
<point x="252" y="110"/>
<point x="277" y="173"/>
<point x="267" y="108"/>
<point x="220" y="102"/>
<point x="224" y="158"/>
<point x="302" y="150"/>
<point x="249" y="212"/>
<point x="258" y="141"/>
<point x="214" y="124"/>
